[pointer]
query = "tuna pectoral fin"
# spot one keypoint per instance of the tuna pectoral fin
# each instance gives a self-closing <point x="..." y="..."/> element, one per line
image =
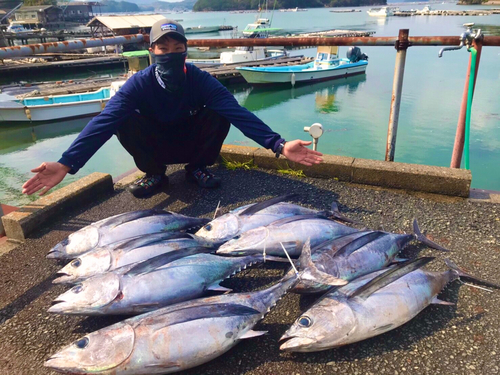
<point x="165" y="365"/>
<point x="389" y="277"/>
<point x="437" y="301"/>
<point x="218" y="288"/>
<point x="419" y="236"/>
<point x="251" y="334"/>
<point x="270" y="202"/>
<point x="399" y="260"/>
<point x="462" y="274"/>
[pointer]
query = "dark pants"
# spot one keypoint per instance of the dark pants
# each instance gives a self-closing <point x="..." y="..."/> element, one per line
<point x="195" y="140"/>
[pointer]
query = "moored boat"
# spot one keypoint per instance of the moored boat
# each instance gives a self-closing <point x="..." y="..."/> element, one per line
<point x="201" y="29"/>
<point x="380" y="12"/>
<point x="326" y="66"/>
<point x="58" y="106"/>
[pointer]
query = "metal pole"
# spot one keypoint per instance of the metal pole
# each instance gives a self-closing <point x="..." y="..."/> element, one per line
<point x="397" y="88"/>
<point x="458" y="147"/>
<point x="33" y="49"/>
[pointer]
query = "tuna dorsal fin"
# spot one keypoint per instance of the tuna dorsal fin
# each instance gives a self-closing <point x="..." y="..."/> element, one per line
<point x="267" y="203"/>
<point x="310" y="272"/>
<point x="134" y="215"/>
<point x="358" y="243"/>
<point x="335" y="213"/>
<point x="162" y="259"/>
<point x="291" y="219"/>
<point x="187" y="314"/>
<point x="151" y="239"/>
<point x="389" y="277"/>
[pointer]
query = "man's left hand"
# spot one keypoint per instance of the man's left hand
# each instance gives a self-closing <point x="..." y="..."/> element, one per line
<point x="298" y="152"/>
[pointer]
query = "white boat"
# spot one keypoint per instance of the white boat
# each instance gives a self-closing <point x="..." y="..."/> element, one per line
<point x="201" y="29"/>
<point x="326" y="66"/>
<point x="259" y="29"/>
<point x="57" y="107"/>
<point x="380" y="12"/>
<point x="17" y="28"/>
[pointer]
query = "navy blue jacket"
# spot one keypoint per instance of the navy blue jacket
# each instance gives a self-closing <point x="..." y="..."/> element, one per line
<point x="143" y="93"/>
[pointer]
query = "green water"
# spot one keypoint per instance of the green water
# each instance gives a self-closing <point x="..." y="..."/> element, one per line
<point x="354" y="111"/>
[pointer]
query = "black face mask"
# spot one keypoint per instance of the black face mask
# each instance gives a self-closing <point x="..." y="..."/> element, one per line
<point x="170" y="68"/>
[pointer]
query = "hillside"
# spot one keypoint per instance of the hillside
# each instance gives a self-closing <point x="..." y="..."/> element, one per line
<point x="217" y="5"/>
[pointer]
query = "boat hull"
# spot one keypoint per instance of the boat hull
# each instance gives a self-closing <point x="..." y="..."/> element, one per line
<point x="255" y="76"/>
<point x="50" y="112"/>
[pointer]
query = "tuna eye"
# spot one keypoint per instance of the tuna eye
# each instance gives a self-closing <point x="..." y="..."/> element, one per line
<point x="305" y="321"/>
<point x="237" y="237"/>
<point x="76" y="263"/>
<point x="82" y="343"/>
<point x="77" y="289"/>
<point x="208" y="227"/>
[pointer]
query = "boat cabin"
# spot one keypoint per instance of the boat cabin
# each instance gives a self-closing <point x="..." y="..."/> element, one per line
<point x="326" y="56"/>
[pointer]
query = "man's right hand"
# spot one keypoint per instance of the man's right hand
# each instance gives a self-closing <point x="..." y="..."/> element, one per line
<point x="48" y="175"/>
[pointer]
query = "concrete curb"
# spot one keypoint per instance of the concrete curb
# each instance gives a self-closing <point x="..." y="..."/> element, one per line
<point x="414" y="177"/>
<point x="19" y="224"/>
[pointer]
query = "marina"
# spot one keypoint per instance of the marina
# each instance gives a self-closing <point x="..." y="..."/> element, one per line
<point x="377" y="186"/>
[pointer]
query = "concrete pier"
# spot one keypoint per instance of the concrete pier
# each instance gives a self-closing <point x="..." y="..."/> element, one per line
<point x="468" y="332"/>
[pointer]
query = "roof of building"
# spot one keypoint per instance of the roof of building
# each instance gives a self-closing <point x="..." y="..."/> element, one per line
<point x="126" y="22"/>
<point x="32" y="8"/>
<point x="78" y="3"/>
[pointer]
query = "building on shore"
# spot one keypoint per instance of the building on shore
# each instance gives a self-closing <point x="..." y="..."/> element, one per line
<point x="38" y="15"/>
<point x="78" y="11"/>
<point x="122" y="25"/>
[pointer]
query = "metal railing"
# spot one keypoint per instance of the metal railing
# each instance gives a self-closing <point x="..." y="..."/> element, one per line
<point x="401" y="43"/>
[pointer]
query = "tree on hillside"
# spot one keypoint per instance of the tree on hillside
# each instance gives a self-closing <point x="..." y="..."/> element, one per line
<point x="39" y="2"/>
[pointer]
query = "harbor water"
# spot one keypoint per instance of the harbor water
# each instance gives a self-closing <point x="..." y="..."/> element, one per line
<point x="354" y="111"/>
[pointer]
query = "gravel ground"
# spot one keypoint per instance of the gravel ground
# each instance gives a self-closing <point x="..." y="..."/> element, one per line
<point x="461" y="339"/>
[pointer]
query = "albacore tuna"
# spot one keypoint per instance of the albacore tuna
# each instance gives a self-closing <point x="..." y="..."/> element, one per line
<point x="110" y="258"/>
<point x="255" y="215"/>
<point x="369" y="306"/>
<point x="121" y="227"/>
<point x="291" y="232"/>
<point x="173" y="338"/>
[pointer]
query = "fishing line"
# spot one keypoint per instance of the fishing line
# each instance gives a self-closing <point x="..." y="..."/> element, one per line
<point x="478" y="287"/>
<point x="217" y="209"/>
<point x="290" y="260"/>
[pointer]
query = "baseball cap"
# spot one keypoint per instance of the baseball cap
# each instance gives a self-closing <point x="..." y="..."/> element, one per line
<point x="164" y="27"/>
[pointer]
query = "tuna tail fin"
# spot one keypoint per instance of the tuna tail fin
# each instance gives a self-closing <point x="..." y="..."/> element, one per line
<point x="310" y="272"/>
<point x="463" y="274"/>
<point x="335" y="214"/>
<point x="420" y="237"/>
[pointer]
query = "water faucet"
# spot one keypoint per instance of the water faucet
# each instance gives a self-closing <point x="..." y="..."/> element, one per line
<point x="316" y="131"/>
<point x="466" y="38"/>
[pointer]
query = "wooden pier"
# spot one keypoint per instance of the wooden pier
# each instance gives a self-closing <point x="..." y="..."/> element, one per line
<point x="224" y="73"/>
<point x="468" y="13"/>
<point x="41" y="63"/>
<point x="44" y="37"/>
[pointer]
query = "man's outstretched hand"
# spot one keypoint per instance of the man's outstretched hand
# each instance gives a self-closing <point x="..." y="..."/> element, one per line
<point x="48" y="175"/>
<point x="298" y="152"/>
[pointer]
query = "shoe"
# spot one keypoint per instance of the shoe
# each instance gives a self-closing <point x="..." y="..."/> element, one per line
<point x="147" y="185"/>
<point x="203" y="178"/>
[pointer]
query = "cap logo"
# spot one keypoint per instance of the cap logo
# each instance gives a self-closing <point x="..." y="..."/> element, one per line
<point x="168" y="26"/>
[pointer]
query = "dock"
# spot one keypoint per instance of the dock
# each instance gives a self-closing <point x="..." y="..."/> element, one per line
<point x="469" y="13"/>
<point x="224" y="73"/>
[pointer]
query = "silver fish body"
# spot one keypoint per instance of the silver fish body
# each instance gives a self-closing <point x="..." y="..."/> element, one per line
<point x="336" y="319"/>
<point x="292" y="232"/>
<point x="144" y="287"/>
<point x="121" y="227"/>
<point x="234" y="223"/>
<point x="370" y="257"/>
<point x="110" y="258"/>
<point x="170" y="339"/>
